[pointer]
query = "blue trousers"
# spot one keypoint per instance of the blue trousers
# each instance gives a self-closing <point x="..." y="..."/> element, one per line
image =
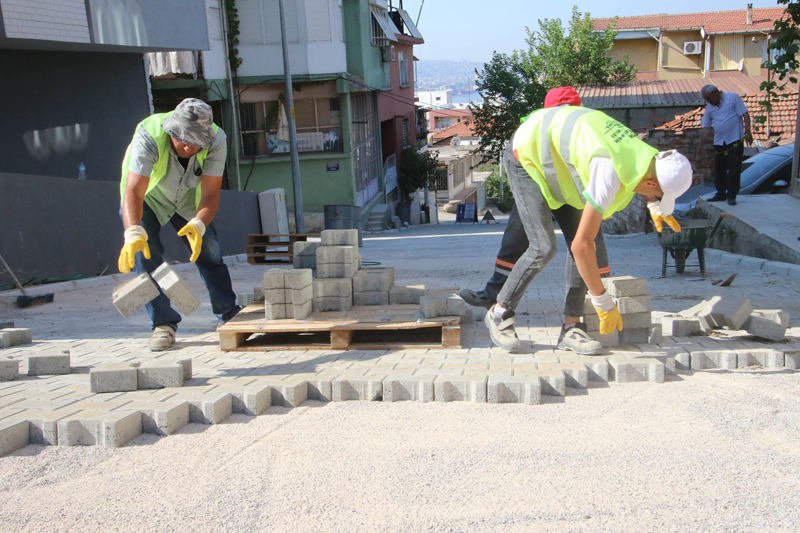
<point x="214" y="272"/>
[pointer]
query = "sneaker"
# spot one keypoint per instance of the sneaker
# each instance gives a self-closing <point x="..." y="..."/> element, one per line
<point x="163" y="338"/>
<point x="731" y="201"/>
<point x="477" y="298"/>
<point x="576" y="338"/>
<point x="501" y="329"/>
<point x="716" y="198"/>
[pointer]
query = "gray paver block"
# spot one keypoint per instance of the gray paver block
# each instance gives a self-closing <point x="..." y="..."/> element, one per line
<point x="113" y="378"/>
<point x="764" y="358"/>
<point x="243" y="299"/>
<point x="44" y="425"/>
<point x="305" y="249"/>
<point x="275" y="278"/>
<point x="319" y="389"/>
<point x="371" y="297"/>
<point x="623" y="369"/>
<point x="733" y="312"/>
<point x="13" y="436"/>
<point x="374" y="279"/>
<point x="299" y="278"/>
<point x="351" y="387"/>
<point x="576" y="375"/>
<point x="712" y="359"/>
<point x="258" y="293"/>
<point x="762" y="327"/>
<point x="300" y="296"/>
<point x="9" y="369"/>
<point x="178" y="292"/>
<point x="301" y="311"/>
<point x="683" y="361"/>
<point x="108" y="429"/>
<point x="634" y="335"/>
<point x="405" y="295"/>
<point x="624" y="286"/>
<point x="553" y="382"/>
<point x="510" y="389"/>
<point x="210" y="409"/>
<point x="606" y="341"/>
<point x="289" y="394"/>
<point x="588" y="307"/>
<point x="456" y="388"/>
<point x="330" y="303"/>
<point x="596" y="367"/>
<point x="277" y="296"/>
<point x="403" y="387"/>
<point x="4" y="324"/>
<point x="634" y="321"/>
<point x="776" y="315"/>
<point x="695" y="310"/>
<point x="158" y="376"/>
<point x="48" y="364"/>
<point x="336" y="254"/>
<point x="339" y="237"/>
<point x="333" y="287"/>
<point x="275" y="311"/>
<point x="252" y="400"/>
<point x="776" y="267"/>
<point x="15" y="336"/>
<point x="634" y="304"/>
<point x="752" y="262"/>
<point x="134" y="295"/>
<point x="433" y="306"/>
<point x="656" y="333"/>
<point x="186" y="365"/>
<point x="162" y="418"/>
<point x="338" y="270"/>
<point x="677" y="326"/>
<point x="792" y="359"/>
<point x="306" y="262"/>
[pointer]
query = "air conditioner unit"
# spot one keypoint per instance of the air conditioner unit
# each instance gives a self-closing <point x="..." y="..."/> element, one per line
<point x="693" y="48"/>
<point x="388" y="54"/>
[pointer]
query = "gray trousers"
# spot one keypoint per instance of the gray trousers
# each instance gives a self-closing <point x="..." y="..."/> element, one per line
<point x="536" y="219"/>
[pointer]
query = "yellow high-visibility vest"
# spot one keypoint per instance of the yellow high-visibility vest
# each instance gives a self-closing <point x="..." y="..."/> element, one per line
<point x="556" y="145"/>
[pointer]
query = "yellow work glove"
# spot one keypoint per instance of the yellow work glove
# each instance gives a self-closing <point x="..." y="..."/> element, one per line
<point x="194" y="231"/>
<point x="610" y="319"/>
<point x="135" y="241"/>
<point x="659" y="218"/>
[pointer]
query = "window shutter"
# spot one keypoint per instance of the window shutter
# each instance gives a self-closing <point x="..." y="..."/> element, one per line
<point x="728" y="52"/>
<point x="318" y="17"/>
<point x="250" y="21"/>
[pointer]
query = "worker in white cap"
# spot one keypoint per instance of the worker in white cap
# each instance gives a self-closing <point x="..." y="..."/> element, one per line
<point x="581" y="166"/>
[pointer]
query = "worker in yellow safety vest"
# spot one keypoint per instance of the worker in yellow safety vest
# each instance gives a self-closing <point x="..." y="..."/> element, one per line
<point x="172" y="173"/>
<point x="580" y="166"/>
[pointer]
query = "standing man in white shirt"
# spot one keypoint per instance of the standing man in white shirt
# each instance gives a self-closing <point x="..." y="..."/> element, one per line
<point x="728" y="117"/>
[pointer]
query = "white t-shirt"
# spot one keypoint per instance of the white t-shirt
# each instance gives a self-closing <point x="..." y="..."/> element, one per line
<point x="604" y="183"/>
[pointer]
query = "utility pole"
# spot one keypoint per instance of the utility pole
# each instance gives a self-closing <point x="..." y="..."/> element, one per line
<point x="236" y="137"/>
<point x="297" y="187"/>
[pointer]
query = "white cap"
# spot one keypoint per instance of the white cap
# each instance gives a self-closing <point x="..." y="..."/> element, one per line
<point x="674" y="173"/>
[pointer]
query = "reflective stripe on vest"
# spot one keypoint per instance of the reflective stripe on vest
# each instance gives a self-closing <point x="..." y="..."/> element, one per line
<point x="548" y="164"/>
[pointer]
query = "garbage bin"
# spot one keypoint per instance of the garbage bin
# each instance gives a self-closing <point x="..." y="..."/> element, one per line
<point x="343" y="217"/>
<point x="404" y="212"/>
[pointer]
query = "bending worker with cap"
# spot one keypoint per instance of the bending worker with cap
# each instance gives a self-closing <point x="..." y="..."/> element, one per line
<point x="584" y="160"/>
<point x="172" y="173"/>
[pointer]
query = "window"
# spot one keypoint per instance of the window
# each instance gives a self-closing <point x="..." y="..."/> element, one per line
<point x="306" y="21"/>
<point x="459" y="173"/>
<point x="402" y="59"/>
<point x="383" y="29"/>
<point x="441" y="179"/>
<point x="405" y="133"/>
<point x="367" y="164"/>
<point x="728" y="52"/>
<point x="318" y="122"/>
<point x="438" y="98"/>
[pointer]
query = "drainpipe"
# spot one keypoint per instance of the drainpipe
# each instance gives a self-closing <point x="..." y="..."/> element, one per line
<point x="236" y="135"/>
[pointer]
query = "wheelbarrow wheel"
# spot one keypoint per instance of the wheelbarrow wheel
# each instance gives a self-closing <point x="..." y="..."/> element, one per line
<point x="680" y="260"/>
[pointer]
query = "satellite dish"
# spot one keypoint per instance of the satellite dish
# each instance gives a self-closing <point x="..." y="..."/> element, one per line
<point x="455" y="141"/>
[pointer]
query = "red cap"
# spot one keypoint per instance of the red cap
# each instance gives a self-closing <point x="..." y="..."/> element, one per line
<point x="560" y="96"/>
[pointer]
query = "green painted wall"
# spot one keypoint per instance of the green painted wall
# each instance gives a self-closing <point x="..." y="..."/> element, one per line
<point x="363" y="59"/>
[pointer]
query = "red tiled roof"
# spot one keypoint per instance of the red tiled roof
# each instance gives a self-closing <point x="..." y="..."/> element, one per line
<point x="450" y="112"/>
<point x="665" y="93"/>
<point x="460" y="129"/>
<point x="713" y="21"/>
<point x="782" y="120"/>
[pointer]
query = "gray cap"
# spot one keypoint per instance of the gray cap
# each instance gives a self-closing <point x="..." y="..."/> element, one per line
<point x="191" y="123"/>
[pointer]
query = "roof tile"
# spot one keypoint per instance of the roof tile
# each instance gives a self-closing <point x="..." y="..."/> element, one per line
<point x="712" y="21"/>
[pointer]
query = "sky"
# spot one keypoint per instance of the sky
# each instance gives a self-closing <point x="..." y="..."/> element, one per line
<point x="472" y="29"/>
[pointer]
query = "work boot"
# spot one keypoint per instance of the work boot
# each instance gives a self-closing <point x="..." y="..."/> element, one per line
<point x="575" y="338"/>
<point x="501" y="329"/>
<point x="163" y="338"/>
<point x="477" y="298"/>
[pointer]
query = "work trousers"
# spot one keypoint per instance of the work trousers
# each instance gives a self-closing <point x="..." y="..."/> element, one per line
<point x="212" y="269"/>
<point x="536" y="220"/>
<point x="728" y="168"/>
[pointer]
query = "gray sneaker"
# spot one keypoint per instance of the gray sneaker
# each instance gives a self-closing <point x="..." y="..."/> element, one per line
<point x="163" y="338"/>
<point x="501" y="329"/>
<point x="576" y="338"/>
<point x="477" y="298"/>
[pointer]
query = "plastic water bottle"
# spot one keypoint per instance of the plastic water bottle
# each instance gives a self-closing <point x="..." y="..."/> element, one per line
<point x="81" y="171"/>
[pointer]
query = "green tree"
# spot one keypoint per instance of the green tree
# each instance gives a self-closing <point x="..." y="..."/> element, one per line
<point x="513" y="86"/>
<point x="417" y="170"/>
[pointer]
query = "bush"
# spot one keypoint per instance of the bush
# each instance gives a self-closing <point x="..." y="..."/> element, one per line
<point x="493" y="191"/>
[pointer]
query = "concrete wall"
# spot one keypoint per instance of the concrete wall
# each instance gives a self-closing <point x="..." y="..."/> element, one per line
<point x="55" y="227"/>
<point x="59" y="109"/>
<point x="636" y="118"/>
<point x="363" y="59"/>
<point x="641" y="52"/>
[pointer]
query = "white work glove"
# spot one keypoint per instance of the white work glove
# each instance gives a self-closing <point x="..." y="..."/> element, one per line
<point x="659" y="218"/>
<point x="194" y="231"/>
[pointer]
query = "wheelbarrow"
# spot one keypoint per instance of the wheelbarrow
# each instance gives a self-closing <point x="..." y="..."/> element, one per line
<point x="694" y="235"/>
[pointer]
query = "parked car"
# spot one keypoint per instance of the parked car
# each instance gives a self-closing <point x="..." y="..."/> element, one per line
<point x="765" y="173"/>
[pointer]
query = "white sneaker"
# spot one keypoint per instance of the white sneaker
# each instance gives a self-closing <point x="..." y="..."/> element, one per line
<point x="501" y="329"/>
<point x="576" y="338"/>
<point x="163" y="338"/>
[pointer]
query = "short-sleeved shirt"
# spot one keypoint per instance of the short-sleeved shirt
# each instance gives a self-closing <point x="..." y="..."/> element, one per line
<point x="725" y="119"/>
<point x="604" y="183"/>
<point x="176" y="191"/>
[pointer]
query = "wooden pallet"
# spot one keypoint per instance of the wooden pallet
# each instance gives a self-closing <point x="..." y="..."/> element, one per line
<point x="264" y="248"/>
<point x="373" y="327"/>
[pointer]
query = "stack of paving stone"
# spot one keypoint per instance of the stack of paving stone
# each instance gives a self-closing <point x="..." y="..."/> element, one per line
<point x="338" y="261"/>
<point x="288" y="293"/>
<point x="735" y="314"/>
<point x="444" y="302"/>
<point x="633" y="301"/>
<point x="305" y="255"/>
<point x="371" y="286"/>
<point x="125" y="377"/>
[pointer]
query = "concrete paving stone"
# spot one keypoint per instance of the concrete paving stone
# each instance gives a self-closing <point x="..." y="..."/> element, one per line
<point x="49" y="364"/>
<point x="630" y="335"/>
<point x="133" y="295"/>
<point x="678" y="326"/>
<point x="243" y="299"/>
<point x="588" y="307"/>
<point x="733" y="312"/>
<point x="769" y="359"/>
<point x="625" y="369"/>
<point x="508" y="389"/>
<point x="791" y="359"/>
<point x="162" y="418"/>
<point x="298" y="279"/>
<point x="300" y="296"/>
<point x="93" y="428"/>
<point x="258" y="293"/>
<point x="275" y="279"/>
<point x="683" y="361"/>
<point x="441" y="291"/>
<point x="44" y="424"/>
<point x="319" y="386"/>
<point x="309" y="262"/>
<point x="159" y="376"/>
<point x="249" y="400"/>
<point x="752" y="262"/>
<point x="289" y="392"/>
<point x="300" y="312"/>
<point x="776" y="315"/>
<point x="178" y="292"/>
<point x="433" y="306"/>
<point x="13" y="436"/>
<point x="656" y="334"/>
<point x="339" y="237"/>
<point x="729" y="259"/>
<point x="333" y="287"/>
<point x="762" y="327"/>
<point x="337" y="270"/>
<point x="186" y="365"/>
<point x="374" y="279"/>
<point x="794" y="271"/>
<point x="632" y="321"/>
<point x="116" y="378"/>
<point x="596" y="367"/>
<point x="336" y="254"/>
<point x="9" y="369"/>
<point x="15" y="336"/>
<point x="355" y="387"/>
<point x="275" y="311"/>
<point x="305" y="249"/>
<point x="606" y="341"/>
<point x="776" y="267"/>
<point x="277" y="296"/>
<point x="575" y="374"/>
<point x="405" y="295"/>
<point x="553" y="380"/>
<point x="634" y="304"/>
<point x="330" y="303"/>
<point x="6" y="324"/>
<point x="408" y="388"/>
<point x="457" y="388"/>
<point x="370" y="297"/>
<point x="624" y="286"/>
<point x="714" y="359"/>
<point x="210" y="408"/>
